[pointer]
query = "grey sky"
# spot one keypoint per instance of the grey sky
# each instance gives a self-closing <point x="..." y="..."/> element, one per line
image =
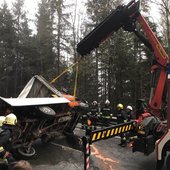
<point x="31" y="7"/>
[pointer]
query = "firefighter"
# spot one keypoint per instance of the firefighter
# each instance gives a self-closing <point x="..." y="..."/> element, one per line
<point x="5" y="138"/>
<point x="121" y="118"/>
<point x="106" y="113"/>
<point x="84" y="117"/>
<point x="130" y="113"/>
<point x="130" y="117"/>
<point x="94" y="113"/>
<point x="140" y="107"/>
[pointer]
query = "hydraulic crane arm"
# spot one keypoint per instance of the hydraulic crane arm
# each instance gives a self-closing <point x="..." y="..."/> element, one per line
<point x="126" y="17"/>
<point x="110" y="24"/>
<point x="123" y="17"/>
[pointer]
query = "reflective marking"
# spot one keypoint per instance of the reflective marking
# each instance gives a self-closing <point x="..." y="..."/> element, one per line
<point x="94" y="136"/>
<point x="98" y="137"/>
<point x="108" y="132"/>
<point x="112" y="132"/>
<point x="120" y="129"/>
<point x="123" y="129"/>
<point x="103" y="134"/>
<point x="126" y="128"/>
<point x="116" y="131"/>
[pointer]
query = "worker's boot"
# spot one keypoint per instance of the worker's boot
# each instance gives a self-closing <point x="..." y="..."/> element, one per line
<point x="124" y="144"/>
<point x="121" y="143"/>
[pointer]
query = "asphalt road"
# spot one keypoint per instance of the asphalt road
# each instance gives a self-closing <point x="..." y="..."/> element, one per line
<point x="66" y="154"/>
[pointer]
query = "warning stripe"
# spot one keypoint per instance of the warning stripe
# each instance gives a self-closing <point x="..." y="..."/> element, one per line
<point x="111" y="131"/>
<point x="99" y="134"/>
<point x="108" y="133"/>
<point x="123" y="129"/>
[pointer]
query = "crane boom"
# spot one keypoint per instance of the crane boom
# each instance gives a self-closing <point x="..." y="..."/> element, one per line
<point x="126" y="16"/>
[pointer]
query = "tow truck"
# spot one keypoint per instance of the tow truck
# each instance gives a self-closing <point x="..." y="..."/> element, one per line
<point x="151" y="127"/>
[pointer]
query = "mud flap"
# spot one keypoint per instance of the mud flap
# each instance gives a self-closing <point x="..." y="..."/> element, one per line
<point x="145" y="145"/>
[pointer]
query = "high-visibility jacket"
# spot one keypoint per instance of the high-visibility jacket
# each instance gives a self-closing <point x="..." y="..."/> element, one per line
<point x="5" y="137"/>
<point x="106" y="111"/>
<point x="121" y="117"/>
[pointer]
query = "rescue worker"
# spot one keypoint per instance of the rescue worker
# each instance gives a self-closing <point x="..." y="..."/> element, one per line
<point x="84" y="117"/>
<point x="130" y="113"/>
<point x="130" y="117"/>
<point x="106" y="113"/>
<point x="5" y="138"/>
<point x="94" y="113"/>
<point x="121" y="118"/>
<point x="140" y="107"/>
<point x="83" y="121"/>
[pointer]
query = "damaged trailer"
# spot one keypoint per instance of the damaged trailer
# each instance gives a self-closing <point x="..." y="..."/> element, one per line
<point x="42" y="112"/>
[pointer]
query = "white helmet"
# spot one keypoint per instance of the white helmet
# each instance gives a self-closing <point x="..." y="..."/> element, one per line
<point x="94" y="103"/>
<point x="129" y="107"/>
<point x="107" y="102"/>
<point x="10" y="119"/>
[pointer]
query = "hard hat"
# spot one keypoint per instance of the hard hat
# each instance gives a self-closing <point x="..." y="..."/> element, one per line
<point x="2" y="119"/>
<point x="10" y="119"/>
<point x="1" y="149"/>
<point x="94" y="102"/>
<point x="107" y="102"/>
<point x="129" y="107"/>
<point x="120" y="106"/>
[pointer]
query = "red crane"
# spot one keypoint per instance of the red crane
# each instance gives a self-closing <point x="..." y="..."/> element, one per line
<point x="126" y="17"/>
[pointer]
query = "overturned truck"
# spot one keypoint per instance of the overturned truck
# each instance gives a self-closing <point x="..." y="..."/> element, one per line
<point x="42" y="112"/>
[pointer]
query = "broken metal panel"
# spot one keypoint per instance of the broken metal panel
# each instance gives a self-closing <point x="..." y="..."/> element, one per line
<point x="34" y="101"/>
<point x="39" y="87"/>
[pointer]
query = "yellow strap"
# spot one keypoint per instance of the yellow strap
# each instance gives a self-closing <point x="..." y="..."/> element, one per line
<point x="76" y="79"/>
<point x="54" y="80"/>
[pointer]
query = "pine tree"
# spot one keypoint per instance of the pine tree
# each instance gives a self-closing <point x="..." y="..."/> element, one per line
<point x="7" y="45"/>
<point x="23" y="43"/>
<point x="45" y="39"/>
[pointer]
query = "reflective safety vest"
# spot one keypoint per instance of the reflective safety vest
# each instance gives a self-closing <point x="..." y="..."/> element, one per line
<point x="106" y="111"/>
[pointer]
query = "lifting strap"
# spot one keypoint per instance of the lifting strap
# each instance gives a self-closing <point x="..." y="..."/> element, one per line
<point x="76" y="78"/>
<point x="54" y="80"/>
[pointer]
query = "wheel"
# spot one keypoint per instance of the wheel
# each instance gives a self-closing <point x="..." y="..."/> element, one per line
<point x="168" y="162"/>
<point x="159" y="164"/>
<point x="26" y="152"/>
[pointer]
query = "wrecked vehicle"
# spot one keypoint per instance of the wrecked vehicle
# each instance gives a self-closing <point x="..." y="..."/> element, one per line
<point x="42" y="112"/>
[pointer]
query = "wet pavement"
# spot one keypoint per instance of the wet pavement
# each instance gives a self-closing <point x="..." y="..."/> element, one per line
<point x="105" y="155"/>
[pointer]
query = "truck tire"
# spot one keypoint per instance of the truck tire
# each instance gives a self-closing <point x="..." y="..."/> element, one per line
<point x="168" y="162"/>
<point x="26" y="153"/>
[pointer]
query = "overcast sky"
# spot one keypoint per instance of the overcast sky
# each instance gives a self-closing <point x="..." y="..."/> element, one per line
<point x="32" y="5"/>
